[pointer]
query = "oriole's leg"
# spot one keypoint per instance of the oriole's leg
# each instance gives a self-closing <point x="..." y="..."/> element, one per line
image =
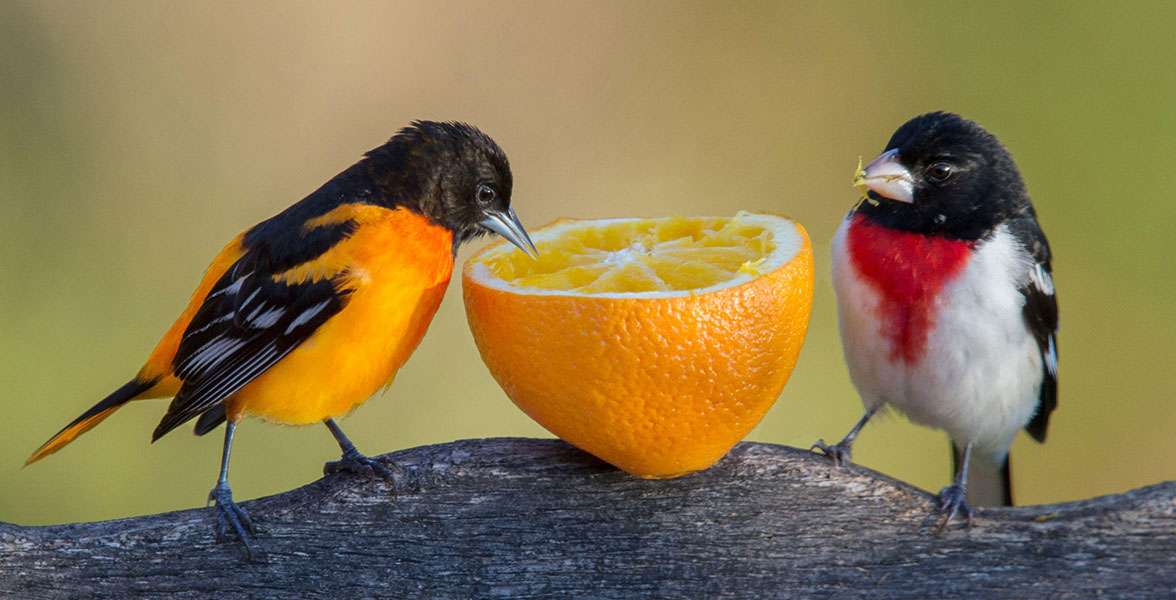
<point x="841" y="452"/>
<point x="352" y="460"/>
<point x="951" y="498"/>
<point x="227" y="511"/>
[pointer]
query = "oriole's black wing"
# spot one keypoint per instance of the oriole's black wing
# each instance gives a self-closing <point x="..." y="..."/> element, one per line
<point x="1041" y="317"/>
<point x="250" y="319"/>
<point x="247" y="323"/>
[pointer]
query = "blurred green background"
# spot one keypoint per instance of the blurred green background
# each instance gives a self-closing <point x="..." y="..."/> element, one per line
<point x="136" y="138"/>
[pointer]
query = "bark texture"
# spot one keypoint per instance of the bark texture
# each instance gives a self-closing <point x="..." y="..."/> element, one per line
<point x="526" y="518"/>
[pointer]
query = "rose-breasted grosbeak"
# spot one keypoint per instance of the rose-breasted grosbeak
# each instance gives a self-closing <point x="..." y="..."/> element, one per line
<point x="945" y="299"/>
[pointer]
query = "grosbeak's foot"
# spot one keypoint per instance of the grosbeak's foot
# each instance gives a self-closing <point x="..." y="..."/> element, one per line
<point x="228" y="513"/>
<point x="841" y="452"/>
<point x="355" y="462"/>
<point x="951" y="503"/>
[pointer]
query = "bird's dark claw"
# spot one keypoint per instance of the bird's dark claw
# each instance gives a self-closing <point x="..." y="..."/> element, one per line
<point x="951" y="503"/>
<point x="228" y="513"/>
<point x="841" y="452"/>
<point x="354" y="462"/>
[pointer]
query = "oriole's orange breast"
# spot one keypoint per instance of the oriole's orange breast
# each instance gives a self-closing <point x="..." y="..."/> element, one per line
<point x="397" y="265"/>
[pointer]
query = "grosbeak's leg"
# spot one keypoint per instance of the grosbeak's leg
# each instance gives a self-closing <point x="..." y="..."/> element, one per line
<point x="353" y="461"/>
<point x="227" y="511"/>
<point x="841" y="452"/>
<point x="951" y="498"/>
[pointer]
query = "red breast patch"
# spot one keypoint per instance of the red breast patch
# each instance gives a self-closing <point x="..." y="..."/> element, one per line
<point x="908" y="270"/>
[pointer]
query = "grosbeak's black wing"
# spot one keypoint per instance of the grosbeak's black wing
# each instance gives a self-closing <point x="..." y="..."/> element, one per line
<point x="1041" y="317"/>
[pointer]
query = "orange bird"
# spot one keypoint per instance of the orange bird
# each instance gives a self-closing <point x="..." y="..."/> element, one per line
<point x="305" y="315"/>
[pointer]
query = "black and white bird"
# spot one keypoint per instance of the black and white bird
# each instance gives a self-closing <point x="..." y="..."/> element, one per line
<point x="945" y="301"/>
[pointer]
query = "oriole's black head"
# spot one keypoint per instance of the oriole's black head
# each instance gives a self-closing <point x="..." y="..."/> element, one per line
<point x="451" y="173"/>
<point x="943" y="174"/>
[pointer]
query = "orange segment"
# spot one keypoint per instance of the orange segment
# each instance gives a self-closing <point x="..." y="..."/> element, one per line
<point x="654" y="344"/>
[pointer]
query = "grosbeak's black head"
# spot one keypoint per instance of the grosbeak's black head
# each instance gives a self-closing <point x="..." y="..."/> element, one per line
<point x="943" y="174"/>
<point x="453" y="174"/>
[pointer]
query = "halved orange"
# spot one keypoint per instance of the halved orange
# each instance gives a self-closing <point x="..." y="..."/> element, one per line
<point x="654" y="344"/>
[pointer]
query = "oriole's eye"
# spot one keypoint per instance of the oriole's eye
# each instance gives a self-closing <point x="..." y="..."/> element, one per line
<point x="939" y="171"/>
<point x="485" y="194"/>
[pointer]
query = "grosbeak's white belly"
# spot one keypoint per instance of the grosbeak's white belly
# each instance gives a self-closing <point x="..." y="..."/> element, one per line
<point x="934" y="328"/>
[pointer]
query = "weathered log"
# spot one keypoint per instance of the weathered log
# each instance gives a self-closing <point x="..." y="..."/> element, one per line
<point x="523" y="518"/>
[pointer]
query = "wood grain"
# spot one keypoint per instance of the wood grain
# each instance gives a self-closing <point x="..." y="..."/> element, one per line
<point x="527" y="518"/>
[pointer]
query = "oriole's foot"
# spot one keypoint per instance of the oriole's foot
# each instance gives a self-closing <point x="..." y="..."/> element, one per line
<point x="841" y="452"/>
<point x="228" y="513"/>
<point x="355" y="462"/>
<point x="951" y="503"/>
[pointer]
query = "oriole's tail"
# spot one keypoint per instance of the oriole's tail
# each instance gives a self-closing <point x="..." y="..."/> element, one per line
<point x="91" y="417"/>
<point x="210" y="420"/>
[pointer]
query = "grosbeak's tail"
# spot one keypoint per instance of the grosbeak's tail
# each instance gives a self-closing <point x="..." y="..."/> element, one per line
<point x="988" y="484"/>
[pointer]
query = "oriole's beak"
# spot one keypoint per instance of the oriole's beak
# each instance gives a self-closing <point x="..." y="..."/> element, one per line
<point x="887" y="177"/>
<point x="506" y="223"/>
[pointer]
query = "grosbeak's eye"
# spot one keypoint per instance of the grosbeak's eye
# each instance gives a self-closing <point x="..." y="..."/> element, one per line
<point x="485" y="194"/>
<point x="939" y="171"/>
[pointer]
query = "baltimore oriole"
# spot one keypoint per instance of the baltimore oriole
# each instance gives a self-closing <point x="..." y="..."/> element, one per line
<point x="305" y="315"/>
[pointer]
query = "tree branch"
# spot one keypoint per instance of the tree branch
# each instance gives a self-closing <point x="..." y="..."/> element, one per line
<point x="524" y="518"/>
